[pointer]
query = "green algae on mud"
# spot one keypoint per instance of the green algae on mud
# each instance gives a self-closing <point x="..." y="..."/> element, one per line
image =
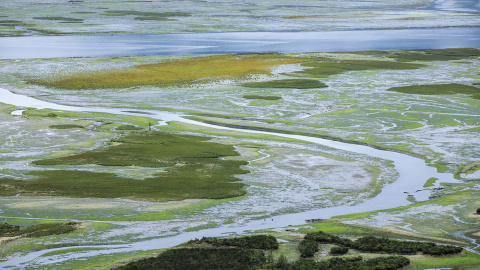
<point x="190" y="168"/>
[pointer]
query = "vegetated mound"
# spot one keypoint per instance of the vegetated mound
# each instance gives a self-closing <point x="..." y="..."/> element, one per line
<point x="192" y="168"/>
<point x="438" y="89"/>
<point x="194" y="70"/>
<point x="287" y="83"/>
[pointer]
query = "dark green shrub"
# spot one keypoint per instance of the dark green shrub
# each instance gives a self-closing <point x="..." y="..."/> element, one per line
<point x="339" y="250"/>
<point x="200" y="258"/>
<point x="326" y="238"/>
<point x="265" y="242"/>
<point x="478" y="211"/>
<point x="6" y="228"/>
<point x="307" y="248"/>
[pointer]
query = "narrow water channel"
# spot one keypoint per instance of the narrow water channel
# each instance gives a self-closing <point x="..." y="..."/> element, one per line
<point x="413" y="173"/>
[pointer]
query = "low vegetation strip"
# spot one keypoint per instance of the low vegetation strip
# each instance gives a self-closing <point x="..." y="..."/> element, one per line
<point x="287" y="83"/>
<point x="8" y="230"/>
<point x="175" y="72"/>
<point x="191" y="168"/>
<point x="384" y="245"/>
<point x="437" y="89"/>
<point x="326" y="67"/>
<point x="262" y="97"/>
<point x="426" y="54"/>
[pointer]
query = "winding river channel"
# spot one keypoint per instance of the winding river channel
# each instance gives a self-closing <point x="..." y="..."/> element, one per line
<point x="413" y="172"/>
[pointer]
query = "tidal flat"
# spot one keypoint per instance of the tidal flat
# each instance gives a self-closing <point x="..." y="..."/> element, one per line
<point x="353" y="102"/>
<point x="29" y="17"/>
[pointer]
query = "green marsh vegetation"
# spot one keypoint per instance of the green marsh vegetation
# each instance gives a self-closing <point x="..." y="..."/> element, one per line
<point x="192" y="168"/>
<point x="146" y="16"/>
<point x="192" y="70"/>
<point x="426" y="54"/>
<point x="262" y="97"/>
<point x="325" y="67"/>
<point x="39" y="230"/>
<point x="287" y="83"/>
<point x="438" y="89"/>
<point x="59" y="18"/>
<point x="66" y="126"/>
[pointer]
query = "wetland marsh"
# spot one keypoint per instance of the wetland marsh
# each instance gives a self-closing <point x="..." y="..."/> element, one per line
<point x="132" y="149"/>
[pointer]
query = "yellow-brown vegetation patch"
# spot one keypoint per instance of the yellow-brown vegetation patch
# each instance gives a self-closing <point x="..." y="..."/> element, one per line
<point x="174" y="72"/>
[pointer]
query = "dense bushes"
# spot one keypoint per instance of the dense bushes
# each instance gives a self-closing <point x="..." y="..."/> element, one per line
<point x="307" y="248"/>
<point x="374" y="244"/>
<point x="326" y="238"/>
<point x="200" y="258"/>
<point x="265" y="242"/>
<point x="6" y="228"/>
<point x="354" y="263"/>
<point x="384" y="245"/>
<point x="339" y="250"/>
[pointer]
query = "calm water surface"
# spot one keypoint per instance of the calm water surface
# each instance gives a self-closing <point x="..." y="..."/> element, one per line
<point x="237" y="42"/>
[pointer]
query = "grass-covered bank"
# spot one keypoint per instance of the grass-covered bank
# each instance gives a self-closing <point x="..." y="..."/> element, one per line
<point x="191" y="168"/>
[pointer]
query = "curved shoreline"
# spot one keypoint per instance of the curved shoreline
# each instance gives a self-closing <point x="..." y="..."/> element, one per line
<point x="326" y="137"/>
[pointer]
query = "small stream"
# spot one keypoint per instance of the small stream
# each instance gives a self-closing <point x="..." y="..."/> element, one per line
<point x="413" y="173"/>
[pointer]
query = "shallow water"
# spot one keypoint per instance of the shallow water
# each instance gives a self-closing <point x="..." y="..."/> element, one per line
<point x="413" y="174"/>
<point x="236" y="42"/>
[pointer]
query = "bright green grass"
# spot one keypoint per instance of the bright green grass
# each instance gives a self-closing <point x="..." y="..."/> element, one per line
<point x="326" y="67"/>
<point x="128" y="127"/>
<point x="333" y="227"/>
<point x="430" y="182"/>
<point x="142" y="121"/>
<point x="465" y="259"/>
<point x="288" y="83"/>
<point x="262" y="97"/>
<point x="195" y="170"/>
<point x="437" y="89"/>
